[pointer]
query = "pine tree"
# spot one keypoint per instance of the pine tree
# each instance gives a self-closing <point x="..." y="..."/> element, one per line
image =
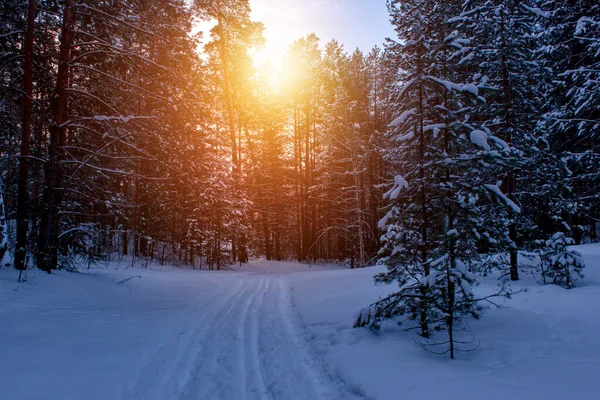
<point x="23" y="190"/>
<point x="443" y="201"/>
<point x="503" y="39"/>
<point x="110" y="140"/>
<point x="302" y="67"/>
<point x="233" y="36"/>
<point x="561" y="265"/>
<point x="572" y="54"/>
<point x="3" y="227"/>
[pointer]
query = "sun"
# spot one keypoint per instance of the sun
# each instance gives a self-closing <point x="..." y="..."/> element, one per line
<point x="282" y="27"/>
<point x="269" y="53"/>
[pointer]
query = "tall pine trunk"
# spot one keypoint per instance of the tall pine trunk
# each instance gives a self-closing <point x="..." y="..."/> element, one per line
<point x="423" y="201"/>
<point x="3" y="226"/>
<point x="23" y="194"/>
<point x="235" y="160"/>
<point x="47" y="253"/>
<point x="512" y="229"/>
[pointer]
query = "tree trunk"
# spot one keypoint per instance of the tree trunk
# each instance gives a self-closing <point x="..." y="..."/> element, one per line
<point x="228" y="98"/>
<point x="512" y="229"/>
<point x="124" y="235"/>
<point x="421" y="131"/>
<point x="3" y="227"/>
<point x="235" y="161"/>
<point x="277" y="246"/>
<point x="267" y="235"/>
<point x="359" y="216"/>
<point x="23" y="194"/>
<point x="307" y="185"/>
<point x="298" y="184"/>
<point x="47" y="254"/>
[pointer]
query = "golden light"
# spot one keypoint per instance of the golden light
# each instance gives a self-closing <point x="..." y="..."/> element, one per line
<point x="266" y="55"/>
<point x="283" y="20"/>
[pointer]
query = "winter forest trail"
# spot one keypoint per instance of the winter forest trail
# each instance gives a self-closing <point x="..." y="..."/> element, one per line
<point x="246" y="344"/>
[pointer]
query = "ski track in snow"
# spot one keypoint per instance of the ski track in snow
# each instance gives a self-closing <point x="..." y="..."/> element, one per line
<point x="248" y="344"/>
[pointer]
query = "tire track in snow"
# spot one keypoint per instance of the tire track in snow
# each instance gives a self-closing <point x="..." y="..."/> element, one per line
<point x="156" y="379"/>
<point x="242" y="345"/>
<point x="292" y="370"/>
<point x="220" y="372"/>
<point x="205" y="347"/>
<point x="251" y="345"/>
<point x="254" y="362"/>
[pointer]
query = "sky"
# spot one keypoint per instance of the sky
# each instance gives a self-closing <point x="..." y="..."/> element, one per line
<point x="354" y="23"/>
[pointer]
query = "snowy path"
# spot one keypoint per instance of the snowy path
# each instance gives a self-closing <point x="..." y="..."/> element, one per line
<point x="247" y="344"/>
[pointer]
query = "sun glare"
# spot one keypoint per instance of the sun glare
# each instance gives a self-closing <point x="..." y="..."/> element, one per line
<point x="282" y="27"/>
<point x="267" y="54"/>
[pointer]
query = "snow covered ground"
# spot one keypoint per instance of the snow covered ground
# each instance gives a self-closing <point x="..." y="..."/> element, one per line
<point x="543" y="344"/>
<point x="279" y="331"/>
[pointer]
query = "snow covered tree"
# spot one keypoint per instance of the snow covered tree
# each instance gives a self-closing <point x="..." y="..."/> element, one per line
<point x="232" y="38"/>
<point x="3" y="226"/>
<point x="345" y="149"/>
<point x="572" y="53"/>
<point x="445" y="202"/>
<point x="502" y="40"/>
<point x="101" y="140"/>
<point x="126" y="141"/>
<point x="559" y="264"/>
<point x="268" y="172"/>
<point x="302" y="89"/>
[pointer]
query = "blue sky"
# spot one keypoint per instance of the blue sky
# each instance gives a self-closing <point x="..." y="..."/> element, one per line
<point x="355" y="23"/>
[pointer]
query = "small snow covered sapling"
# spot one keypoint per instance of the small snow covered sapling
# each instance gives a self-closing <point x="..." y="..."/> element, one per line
<point x="564" y="266"/>
<point x="3" y="227"/>
<point x="540" y="259"/>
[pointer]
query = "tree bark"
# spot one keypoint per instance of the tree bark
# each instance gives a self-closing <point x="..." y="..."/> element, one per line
<point x="512" y="229"/>
<point x="47" y="254"/>
<point x="267" y="236"/>
<point x="23" y="194"/>
<point x="235" y="161"/>
<point x="423" y="200"/>
<point x="3" y="227"/>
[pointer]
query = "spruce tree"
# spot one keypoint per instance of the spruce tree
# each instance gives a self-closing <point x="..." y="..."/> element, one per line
<point x="572" y="119"/>
<point x="445" y="202"/>
<point x="504" y="42"/>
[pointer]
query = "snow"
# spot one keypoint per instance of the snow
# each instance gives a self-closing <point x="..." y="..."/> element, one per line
<point x="399" y="184"/>
<point x="582" y="23"/>
<point x="450" y="86"/>
<point x="383" y="221"/>
<point x="537" y="11"/>
<point x="158" y="334"/>
<point x="404" y="117"/>
<point x="82" y="335"/>
<point x="429" y="280"/>
<point x="121" y="118"/>
<point x="479" y="138"/>
<point x="500" y="143"/>
<point x="540" y="345"/>
<point x="280" y="330"/>
<point x="498" y="193"/>
<point x="406" y="137"/>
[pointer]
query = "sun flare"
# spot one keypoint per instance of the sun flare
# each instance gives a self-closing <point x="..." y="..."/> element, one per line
<point x="266" y="54"/>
